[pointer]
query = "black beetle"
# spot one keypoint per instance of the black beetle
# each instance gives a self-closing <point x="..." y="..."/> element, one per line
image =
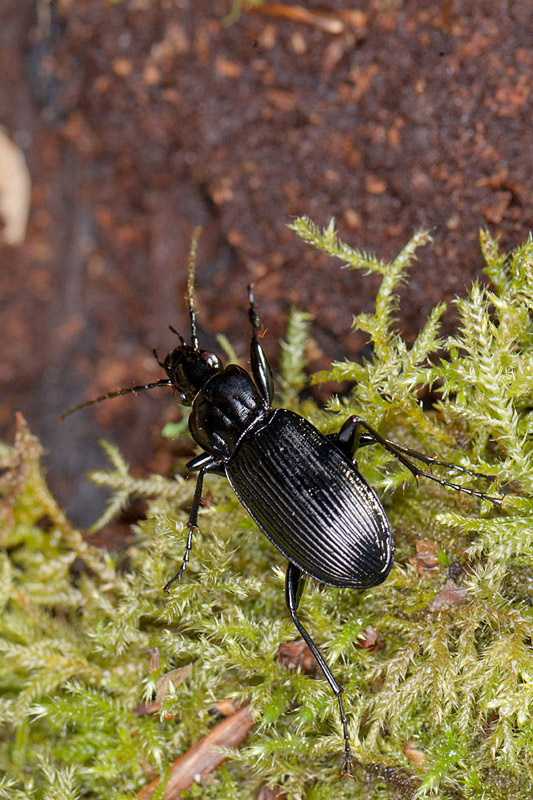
<point x="300" y="486"/>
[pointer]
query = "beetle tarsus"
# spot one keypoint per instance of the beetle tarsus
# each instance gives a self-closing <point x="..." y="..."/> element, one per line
<point x="347" y="762"/>
<point x="347" y="766"/>
<point x="179" y="573"/>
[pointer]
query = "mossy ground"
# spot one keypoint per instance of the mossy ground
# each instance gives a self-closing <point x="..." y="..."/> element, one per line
<point x="441" y="709"/>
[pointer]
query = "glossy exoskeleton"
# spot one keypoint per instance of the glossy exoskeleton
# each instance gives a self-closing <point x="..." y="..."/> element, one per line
<point x="300" y="486"/>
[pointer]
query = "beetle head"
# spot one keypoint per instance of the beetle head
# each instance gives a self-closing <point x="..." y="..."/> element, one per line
<point x="188" y="369"/>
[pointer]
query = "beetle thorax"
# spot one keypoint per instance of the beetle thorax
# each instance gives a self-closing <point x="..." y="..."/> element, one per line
<point x="224" y="409"/>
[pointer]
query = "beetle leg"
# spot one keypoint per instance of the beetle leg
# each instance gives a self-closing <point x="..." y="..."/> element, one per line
<point x="261" y="370"/>
<point x="432" y="461"/>
<point x="192" y="526"/>
<point x="201" y="464"/>
<point x="349" y="435"/>
<point x="207" y="463"/>
<point x="348" y="439"/>
<point x="294" y="584"/>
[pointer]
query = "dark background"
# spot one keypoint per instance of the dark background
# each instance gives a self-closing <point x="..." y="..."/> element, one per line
<point x="142" y="119"/>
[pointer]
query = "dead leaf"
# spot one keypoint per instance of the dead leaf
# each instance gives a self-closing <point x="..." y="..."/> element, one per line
<point x="297" y="655"/>
<point x="370" y="640"/>
<point x="155" y="658"/>
<point x="202" y="759"/>
<point x="172" y="678"/>
<point x="449" y="596"/>
<point x="426" y="559"/>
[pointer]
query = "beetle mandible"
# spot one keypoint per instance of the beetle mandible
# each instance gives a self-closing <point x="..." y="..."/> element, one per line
<point x="301" y="487"/>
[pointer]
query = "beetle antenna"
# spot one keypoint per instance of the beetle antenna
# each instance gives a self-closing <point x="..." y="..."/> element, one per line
<point x="253" y="315"/>
<point x="182" y="340"/>
<point x="190" y="286"/>
<point x="161" y="363"/>
<point x="109" y="395"/>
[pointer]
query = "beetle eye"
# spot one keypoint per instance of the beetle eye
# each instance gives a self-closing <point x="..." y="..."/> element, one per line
<point x="211" y="360"/>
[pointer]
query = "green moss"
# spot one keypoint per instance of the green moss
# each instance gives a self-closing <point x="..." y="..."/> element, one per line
<point x="442" y="709"/>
